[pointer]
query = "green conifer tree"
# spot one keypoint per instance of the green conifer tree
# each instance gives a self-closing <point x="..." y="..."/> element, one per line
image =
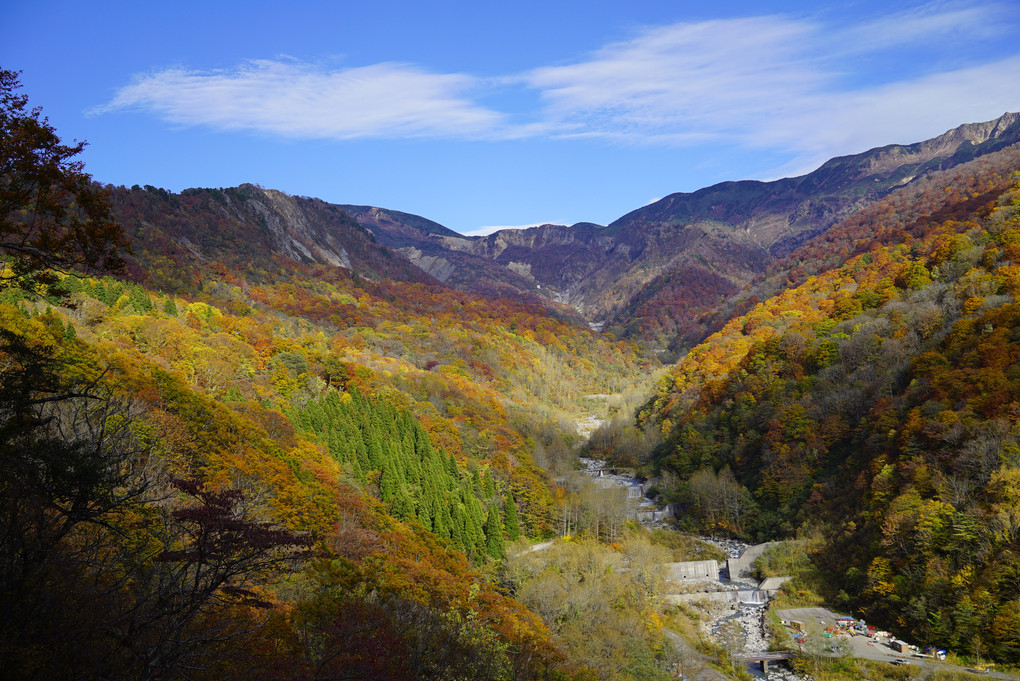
<point x="389" y="481"/>
<point x="359" y="447"/>
<point x="454" y="470"/>
<point x="424" y="510"/>
<point x="440" y="518"/>
<point x="98" y="291"/>
<point x="476" y="522"/>
<point x="375" y="451"/>
<point x="511" y="525"/>
<point x="72" y="284"/>
<point x="457" y="524"/>
<point x="357" y="471"/>
<point x="412" y="463"/>
<point x="403" y="507"/>
<point x="113" y="291"/>
<point x="422" y="446"/>
<point x="495" y="547"/>
<point x="395" y="453"/>
<point x="140" y="300"/>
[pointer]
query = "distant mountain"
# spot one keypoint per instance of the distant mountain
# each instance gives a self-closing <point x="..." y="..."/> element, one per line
<point x="769" y="220"/>
<point x="650" y="275"/>
<point x="652" y="272"/>
<point x="441" y="252"/>
<point x="462" y="262"/>
<point x="778" y="216"/>
<point x="255" y="232"/>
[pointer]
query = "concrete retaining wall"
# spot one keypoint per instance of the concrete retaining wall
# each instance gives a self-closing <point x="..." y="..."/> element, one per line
<point x="738" y="568"/>
<point x="695" y="569"/>
<point x="747" y="596"/>
<point x="654" y="516"/>
<point x="772" y="585"/>
<point x="718" y="596"/>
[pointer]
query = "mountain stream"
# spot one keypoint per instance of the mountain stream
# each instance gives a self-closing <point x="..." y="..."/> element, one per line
<point x="748" y="610"/>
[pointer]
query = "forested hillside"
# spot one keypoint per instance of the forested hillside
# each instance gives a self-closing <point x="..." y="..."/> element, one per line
<point x="875" y="398"/>
<point x="235" y="460"/>
<point x="338" y="409"/>
<point x="243" y="437"/>
<point x="258" y="234"/>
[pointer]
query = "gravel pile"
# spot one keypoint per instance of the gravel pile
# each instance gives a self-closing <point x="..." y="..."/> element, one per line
<point x="753" y="621"/>
<point x="732" y="547"/>
<point x="779" y="673"/>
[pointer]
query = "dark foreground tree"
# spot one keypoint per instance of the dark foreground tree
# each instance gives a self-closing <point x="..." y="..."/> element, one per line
<point x="197" y="595"/>
<point x="108" y="567"/>
<point x="53" y="218"/>
<point x="71" y="471"/>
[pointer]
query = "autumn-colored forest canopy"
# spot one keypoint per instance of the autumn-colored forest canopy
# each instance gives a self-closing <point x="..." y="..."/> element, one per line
<point x="221" y="463"/>
<point x="227" y="461"/>
<point x="404" y="441"/>
<point x="875" y="397"/>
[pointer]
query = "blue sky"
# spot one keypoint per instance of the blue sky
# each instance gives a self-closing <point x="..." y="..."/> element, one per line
<point x="478" y="114"/>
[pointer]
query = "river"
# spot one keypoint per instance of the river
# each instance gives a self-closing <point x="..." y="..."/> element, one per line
<point x="642" y="509"/>
<point x="747" y="611"/>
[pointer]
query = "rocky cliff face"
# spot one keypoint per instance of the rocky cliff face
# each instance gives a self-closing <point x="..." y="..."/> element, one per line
<point x="249" y="227"/>
<point x="293" y="234"/>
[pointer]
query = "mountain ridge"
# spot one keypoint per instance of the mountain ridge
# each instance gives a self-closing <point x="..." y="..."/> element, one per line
<point x="248" y="229"/>
<point x="731" y="230"/>
<point x="648" y="275"/>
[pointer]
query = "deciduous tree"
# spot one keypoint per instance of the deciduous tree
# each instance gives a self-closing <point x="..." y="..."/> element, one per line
<point x="52" y="217"/>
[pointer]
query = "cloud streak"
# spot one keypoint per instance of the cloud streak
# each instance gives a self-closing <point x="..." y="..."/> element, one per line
<point x="920" y="24"/>
<point x="782" y="84"/>
<point x="296" y="100"/>
<point x="686" y="81"/>
<point x="770" y="82"/>
<point x="899" y="112"/>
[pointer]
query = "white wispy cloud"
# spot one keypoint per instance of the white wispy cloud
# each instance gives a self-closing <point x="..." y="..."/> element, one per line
<point x="686" y="81"/>
<point x="298" y="100"/>
<point x="779" y="83"/>
<point x="768" y="82"/>
<point x="920" y="24"/>
<point x="895" y="113"/>
<point x="756" y="81"/>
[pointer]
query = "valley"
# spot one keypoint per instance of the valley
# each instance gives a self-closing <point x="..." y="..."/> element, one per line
<point x="253" y="435"/>
<point x="650" y="274"/>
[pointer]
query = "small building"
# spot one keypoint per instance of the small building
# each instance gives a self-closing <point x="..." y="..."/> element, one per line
<point x="899" y="646"/>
